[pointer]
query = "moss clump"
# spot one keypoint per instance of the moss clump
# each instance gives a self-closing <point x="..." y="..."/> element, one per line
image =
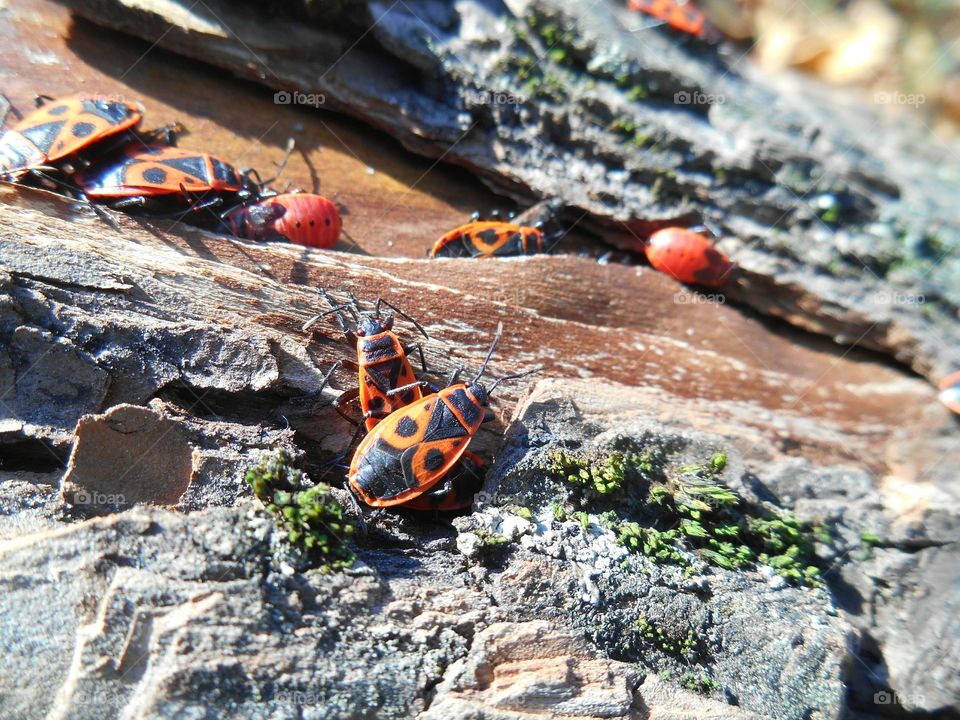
<point x="658" y="545"/>
<point x="683" y="647"/>
<point x="520" y="511"/>
<point x="492" y="546"/>
<point x="491" y="540"/>
<point x="310" y="517"/>
<point x="668" y="516"/>
<point x="700" y="683"/>
<point x="598" y="477"/>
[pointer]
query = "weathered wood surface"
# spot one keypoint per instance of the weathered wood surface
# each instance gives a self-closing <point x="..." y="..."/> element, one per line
<point x="705" y="136"/>
<point x="572" y="317"/>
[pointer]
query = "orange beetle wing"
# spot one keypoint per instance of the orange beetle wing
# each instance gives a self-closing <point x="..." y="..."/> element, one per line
<point x="410" y="450"/>
<point x="159" y="170"/>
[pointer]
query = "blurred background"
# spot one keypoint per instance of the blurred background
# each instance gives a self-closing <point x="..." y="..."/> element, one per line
<point x="904" y="52"/>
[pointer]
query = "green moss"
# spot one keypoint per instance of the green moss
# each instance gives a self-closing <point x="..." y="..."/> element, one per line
<point x="831" y="215"/>
<point x="636" y="93"/>
<point x="582" y="518"/>
<point x="520" y="510"/>
<point x="682" y="647"/>
<point x="685" y="510"/>
<point x="311" y="517"/>
<point x="658" y="545"/>
<point x="868" y="538"/>
<point x="601" y="476"/>
<point x="702" y="684"/>
<point x="491" y="540"/>
<point x="557" y="42"/>
<point x="492" y="546"/>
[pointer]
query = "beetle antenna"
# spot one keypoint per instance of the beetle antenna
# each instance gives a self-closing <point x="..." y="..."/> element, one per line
<point x="511" y="377"/>
<point x="401" y="313"/>
<point x="493" y="346"/>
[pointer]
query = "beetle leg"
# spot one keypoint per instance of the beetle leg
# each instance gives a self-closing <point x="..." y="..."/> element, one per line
<point x="130" y="202"/>
<point x="705" y="229"/>
<point x="419" y="348"/>
<point x="326" y="378"/>
<point x="344" y="398"/>
<point x="358" y="509"/>
<point x="8" y="109"/>
<point x="403" y="388"/>
<point x="351" y="364"/>
<point x="281" y="166"/>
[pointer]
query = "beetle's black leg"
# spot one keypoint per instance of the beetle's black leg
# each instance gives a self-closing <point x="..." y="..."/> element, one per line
<point x="454" y="376"/>
<point x="344" y="398"/>
<point x="358" y="509"/>
<point x="404" y="388"/>
<point x="137" y="201"/>
<point x="423" y="362"/>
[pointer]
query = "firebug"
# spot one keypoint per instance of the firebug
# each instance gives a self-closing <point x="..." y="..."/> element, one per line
<point x="688" y="256"/>
<point x="413" y="448"/>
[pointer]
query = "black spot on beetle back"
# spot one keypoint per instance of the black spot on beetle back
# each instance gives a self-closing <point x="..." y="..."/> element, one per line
<point x="434" y="460"/>
<point x="155" y="175"/>
<point x="407" y="427"/>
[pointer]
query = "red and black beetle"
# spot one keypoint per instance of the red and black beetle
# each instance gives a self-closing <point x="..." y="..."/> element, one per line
<point x="498" y="238"/>
<point x="58" y="131"/>
<point x="413" y="448"/>
<point x="385" y="377"/>
<point x="681" y="15"/>
<point x="492" y="238"/>
<point x="689" y="257"/>
<point x="300" y="218"/>
<point x="156" y="178"/>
